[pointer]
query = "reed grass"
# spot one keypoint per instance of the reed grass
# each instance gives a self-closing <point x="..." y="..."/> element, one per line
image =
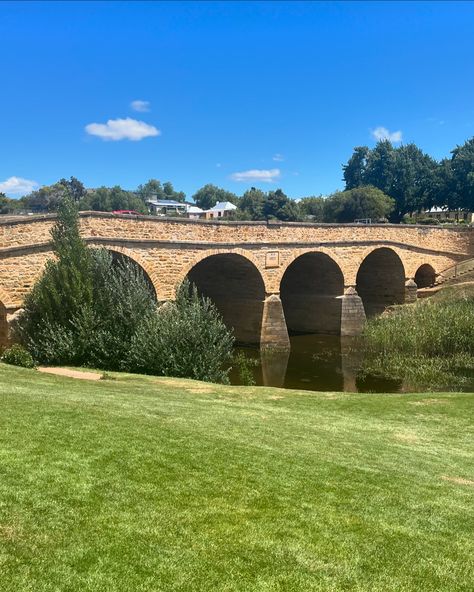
<point x="429" y="344"/>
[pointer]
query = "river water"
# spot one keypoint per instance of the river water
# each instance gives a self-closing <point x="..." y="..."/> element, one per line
<point x="316" y="363"/>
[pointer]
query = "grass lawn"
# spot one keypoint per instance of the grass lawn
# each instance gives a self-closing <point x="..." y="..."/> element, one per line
<point x="143" y="483"/>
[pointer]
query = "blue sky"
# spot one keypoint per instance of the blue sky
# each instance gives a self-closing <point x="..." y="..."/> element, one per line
<point x="236" y="94"/>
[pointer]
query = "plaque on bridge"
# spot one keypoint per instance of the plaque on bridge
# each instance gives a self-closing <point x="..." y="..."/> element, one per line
<point x="272" y="259"/>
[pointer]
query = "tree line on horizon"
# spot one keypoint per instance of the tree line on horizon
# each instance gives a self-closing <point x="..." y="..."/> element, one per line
<point x="382" y="183"/>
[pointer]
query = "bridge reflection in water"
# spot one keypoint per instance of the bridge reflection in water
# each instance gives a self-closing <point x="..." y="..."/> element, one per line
<point x="316" y="363"/>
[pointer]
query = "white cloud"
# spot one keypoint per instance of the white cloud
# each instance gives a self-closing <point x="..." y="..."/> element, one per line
<point x="259" y="175"/>
<point x="382" y="133"/>
<point x="122" y="129"/>
<point x="218" y="165"/>
<point x="17" y="186"/>
<point x="278" y="157"/>
<point x="141" y="106"/>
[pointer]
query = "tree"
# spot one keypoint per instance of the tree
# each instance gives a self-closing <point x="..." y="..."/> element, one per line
<point x="154" y="189"/>
<point x="206" y="197"/>
<point x="151" y="188"/>
<point x="459" y="176"/>
<point x="47" y="198"/>
<point x="312" y="208"/>
<point x="65" y="286"/>
<point x="405" y="173"/>
<point x="379" y="171"/>
<point x="357" y="203"/>
<point x="413" y="174"/>
<point x="354" y="170"/>
<point x="9" y="206"/>
<point x="251" y="204"/>
<point x="278" y="206"/>
<point x="170" y="193"/>
<point x="109" y="199"/>
<point x="75" y="188"/>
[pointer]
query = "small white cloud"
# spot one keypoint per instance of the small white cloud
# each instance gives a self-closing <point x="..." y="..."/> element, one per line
<point x="382" y="133"/>
<point x="278" y="157"/>
<point x="218" y="165"/>
<point x="17" y="186"/>
<point x="258" y="175"/>
<point x="141" y="106"/>
<point x="122" y="129"/>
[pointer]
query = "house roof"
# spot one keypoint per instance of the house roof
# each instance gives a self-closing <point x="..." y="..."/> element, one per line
<point x="194" y="210"/>
<point x="223" y="205"/>
<point x="165" y="202"/>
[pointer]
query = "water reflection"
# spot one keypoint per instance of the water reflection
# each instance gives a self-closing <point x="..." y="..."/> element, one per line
<point x="316" y="363"/>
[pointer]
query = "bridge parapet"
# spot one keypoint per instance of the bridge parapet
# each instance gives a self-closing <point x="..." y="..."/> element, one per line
<point x="34" y="230"/>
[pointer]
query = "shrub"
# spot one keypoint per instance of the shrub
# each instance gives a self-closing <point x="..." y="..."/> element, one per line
<point x="186" y="338"/>
<point x="17" y="355"/>
<point x="245" y="366"/>
<point x="98" y="333"/>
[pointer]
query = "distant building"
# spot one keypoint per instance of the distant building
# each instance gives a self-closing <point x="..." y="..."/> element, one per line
<point x="166" y="207"/>
<point x="194" y="212"/>
<point x="222" y="209"/>
<point x="170" y="207"/>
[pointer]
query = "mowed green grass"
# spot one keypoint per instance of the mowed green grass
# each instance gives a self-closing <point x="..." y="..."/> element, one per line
<point x="143" y="483"/>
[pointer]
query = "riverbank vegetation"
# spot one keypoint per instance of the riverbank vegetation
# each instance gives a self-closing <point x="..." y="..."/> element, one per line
<point x="145" y="483"/>
<point x="429" y="344"/>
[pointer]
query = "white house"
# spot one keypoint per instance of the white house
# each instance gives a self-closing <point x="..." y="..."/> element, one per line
<point x="194" y="212"/>
<point x="221" y="210"/>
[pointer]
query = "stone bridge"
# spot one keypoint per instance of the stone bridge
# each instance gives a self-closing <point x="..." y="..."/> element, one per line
<point x="267" y="279"/>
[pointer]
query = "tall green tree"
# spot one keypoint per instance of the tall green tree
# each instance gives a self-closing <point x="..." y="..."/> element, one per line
<point x="206" y="197"/>
<point x="75" y="188"/>
<point x="279" y="206"/>
<point x="406" y="174"/>
<point x="251" y="204"/>
<point x="413" y="180"/>
<point x="459" y="177"/>
<point x="66" y="284"/>
<point x="357" y="203"/>
<point x="312" y="208"/>
<point x="154" y="189"/>
<point x="355" y="169"/>
<point x="151" y="188"/>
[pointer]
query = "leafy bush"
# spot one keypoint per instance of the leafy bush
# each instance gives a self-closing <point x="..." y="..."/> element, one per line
<point x="97" y="333"/>
<point x="186" y="338"/>
<point x="17" y="355"/>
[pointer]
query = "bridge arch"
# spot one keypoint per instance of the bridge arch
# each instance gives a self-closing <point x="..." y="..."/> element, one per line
<point x="150" y="274"/>
<point x="425" y="276"/>
<point x="235" y="285"/>
<point x="310" y="291"/>
<point x="380" y="280"/>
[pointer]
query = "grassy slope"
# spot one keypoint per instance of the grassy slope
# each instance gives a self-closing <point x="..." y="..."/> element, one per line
<point x="154" y="484"/>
